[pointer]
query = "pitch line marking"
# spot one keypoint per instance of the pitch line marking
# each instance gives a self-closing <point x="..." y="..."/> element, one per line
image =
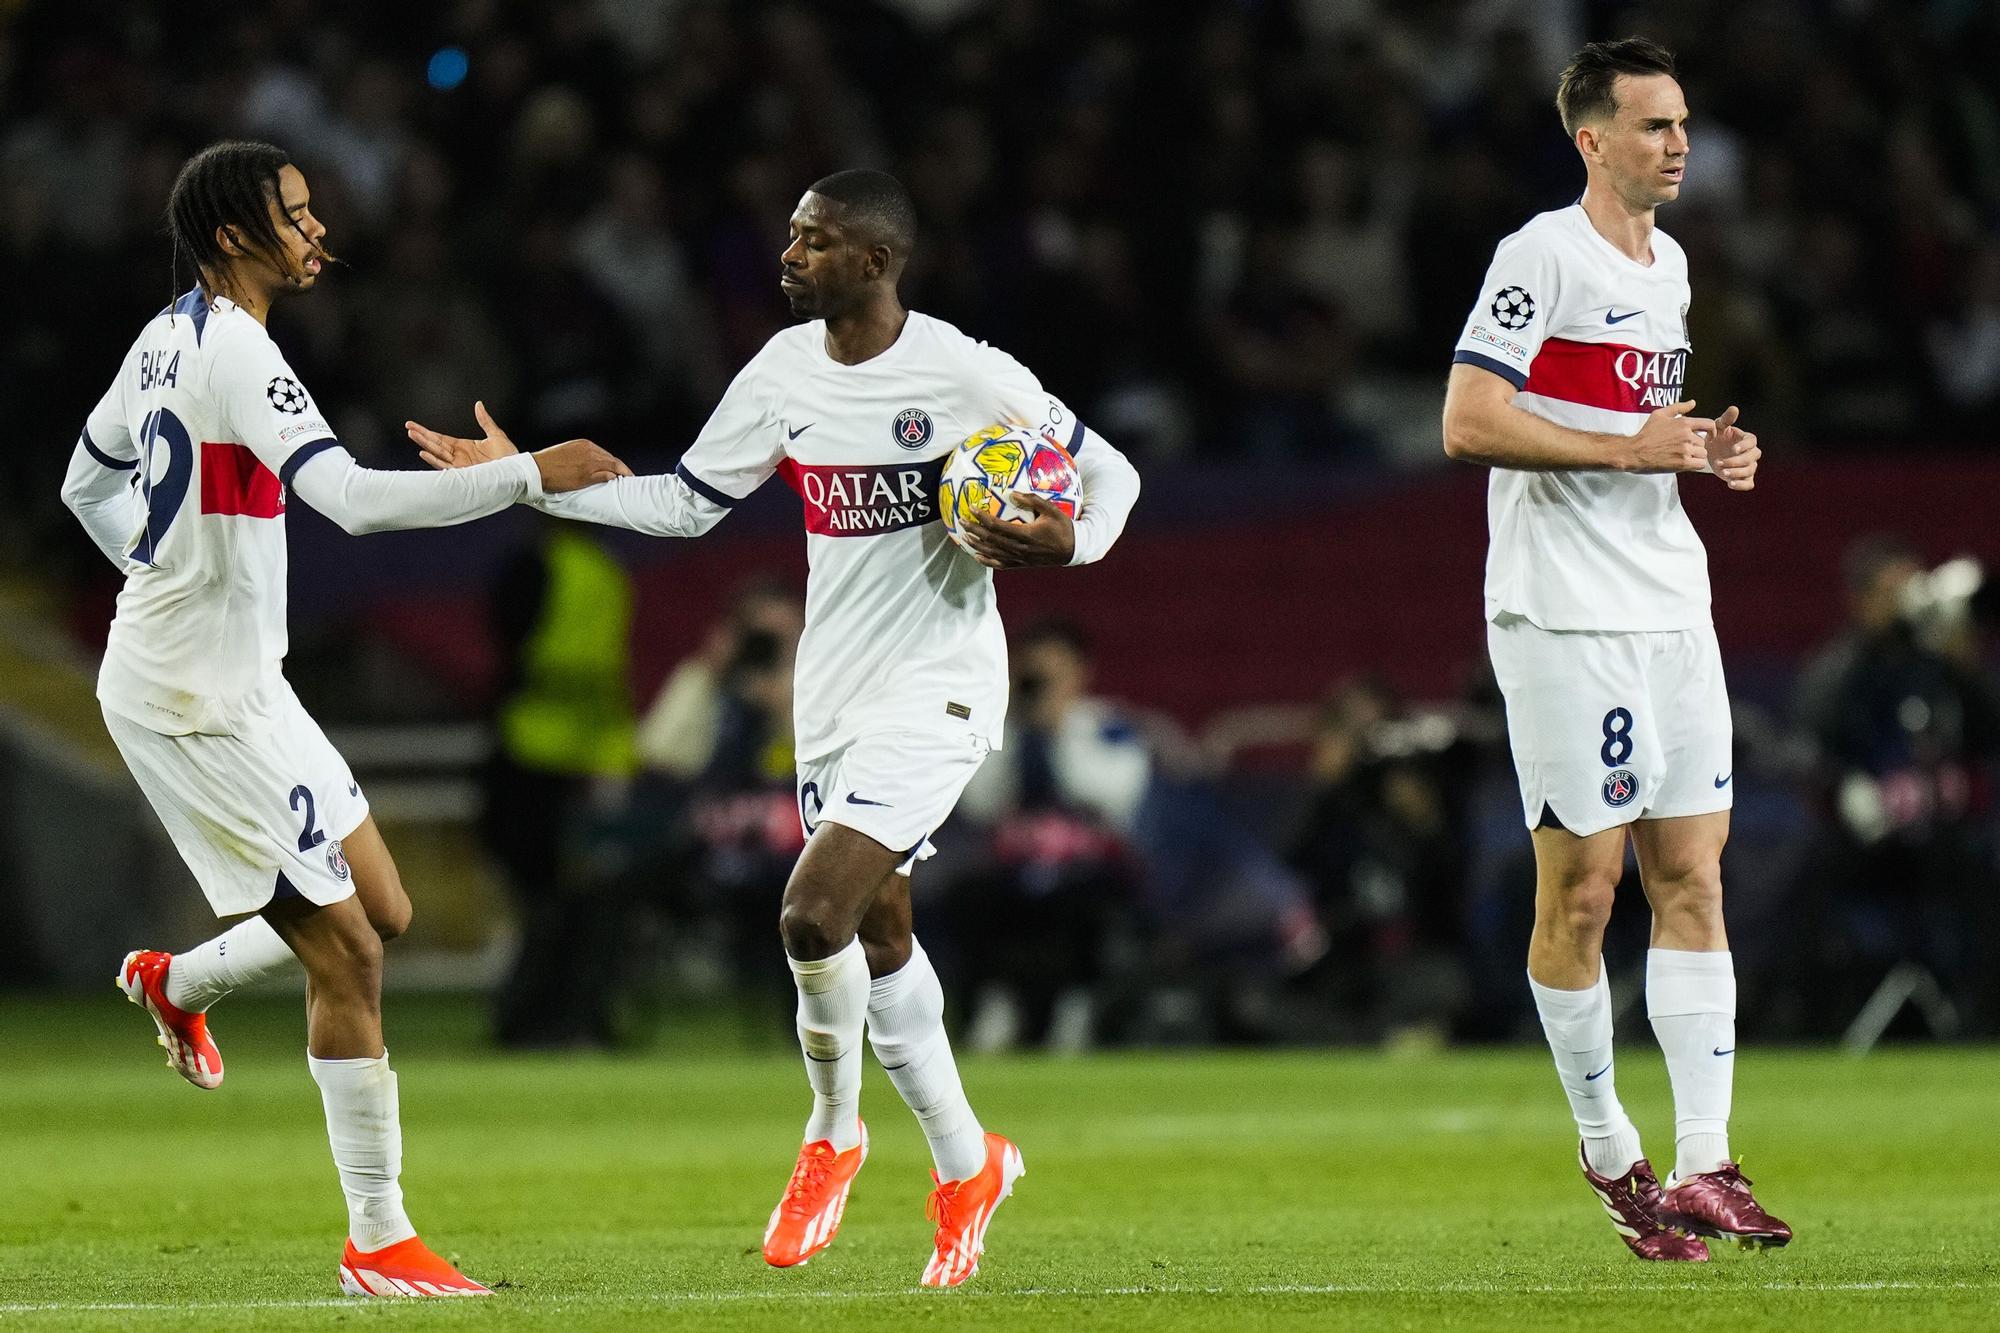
<point x="729" y="1297"/>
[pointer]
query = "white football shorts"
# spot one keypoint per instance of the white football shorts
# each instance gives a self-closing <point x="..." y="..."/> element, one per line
<point x="1607" y="728"/>
<point x="255" y="815"/>
<point x="896" y="787"/>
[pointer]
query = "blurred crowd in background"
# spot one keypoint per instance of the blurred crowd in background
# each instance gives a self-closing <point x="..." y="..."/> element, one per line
<point x="1255" y="229"/>
<point x="1251" y="232"/>
<point x="1105" y="878"/>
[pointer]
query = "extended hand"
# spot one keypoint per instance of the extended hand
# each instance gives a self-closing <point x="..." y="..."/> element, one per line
<point x="447" y="451"/>
<point x="1048" y="539"/>
<point x="1670" y="441"/>
<point x="575" y="464"/>
<point x="1733" y="453"/>
<point x="569" y="466"/>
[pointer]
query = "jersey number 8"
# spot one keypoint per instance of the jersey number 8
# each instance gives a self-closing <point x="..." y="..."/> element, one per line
<point x="1617" y="738"/>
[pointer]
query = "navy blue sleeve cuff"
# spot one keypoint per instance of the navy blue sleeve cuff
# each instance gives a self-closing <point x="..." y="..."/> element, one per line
<point x="304" y="454"/>
<point x="115" y="464"/>
<point x="1500" y="368"/>
<point x="703" y="489"/>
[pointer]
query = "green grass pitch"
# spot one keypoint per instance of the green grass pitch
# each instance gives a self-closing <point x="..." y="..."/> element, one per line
<point x="1164" y="1191"/>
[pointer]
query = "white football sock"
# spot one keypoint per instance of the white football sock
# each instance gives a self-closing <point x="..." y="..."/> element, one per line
<point x="833" y="1005"/>
<point x="1691" y="998"/>
<point x="1578" y="1025"/>
<point x="247" y="952"/>
<point x="366" y="1132"/>
<point x="906" y="1027"/>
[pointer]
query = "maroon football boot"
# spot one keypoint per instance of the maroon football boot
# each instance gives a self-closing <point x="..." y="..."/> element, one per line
<point x="1718" y="1203"/>
<point x="1632" y="1200"/>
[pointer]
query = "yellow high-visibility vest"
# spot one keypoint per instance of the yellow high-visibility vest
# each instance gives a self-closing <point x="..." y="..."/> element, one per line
<point x="573" y="710"/>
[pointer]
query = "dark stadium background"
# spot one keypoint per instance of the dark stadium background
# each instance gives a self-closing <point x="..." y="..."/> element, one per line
<point x="1240" y="239"/>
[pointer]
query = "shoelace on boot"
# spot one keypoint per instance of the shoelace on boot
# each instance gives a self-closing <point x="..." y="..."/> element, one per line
<point x="808" y="1178"/>
<point x="938" y="1208"/>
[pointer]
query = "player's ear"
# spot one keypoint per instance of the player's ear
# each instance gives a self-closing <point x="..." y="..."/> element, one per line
<point x="230" y="243"/>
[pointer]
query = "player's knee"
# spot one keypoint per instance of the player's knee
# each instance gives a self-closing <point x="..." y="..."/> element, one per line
<point x="1692" y="892"/>
<point x="1696" y="882"/>
<point x="813" y="929"/>
<point x="347" y="963"/>
<point x="1584" y="904"/>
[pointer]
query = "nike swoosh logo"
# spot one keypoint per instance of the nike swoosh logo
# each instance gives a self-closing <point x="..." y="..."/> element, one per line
<point x="1724" y="781"/>
<point x="852" y="799"/>
<point x="791" y="434"/>
<point x="1613" y="317"/>
<point x="1730" y="1051"/>
<point x="1592" y="1078"/>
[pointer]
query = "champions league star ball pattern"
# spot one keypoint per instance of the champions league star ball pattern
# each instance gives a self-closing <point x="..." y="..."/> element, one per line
<point x="286" y="395"/>
<point x="994" y="463"/>
<point x="1513" y="308"/>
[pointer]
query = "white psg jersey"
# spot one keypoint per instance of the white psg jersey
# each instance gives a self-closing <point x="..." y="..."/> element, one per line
<point x="902" y="632"/>
<point x="212" y="423"/>
<point x="1594" y="341"/>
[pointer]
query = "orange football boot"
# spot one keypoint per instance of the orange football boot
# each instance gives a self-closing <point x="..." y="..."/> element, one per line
<point x="962" y="1208"/>
<point x="191" y="1051"/>
<point x="809" y="1212"/>
<point x="407" y="1268"/>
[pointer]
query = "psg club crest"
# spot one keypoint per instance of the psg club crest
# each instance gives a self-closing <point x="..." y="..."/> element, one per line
<point x="336" y="862"/>
<point x="1513" y="308"/>
<point x="1620" y="786"/>
<point x="286" y="395"/>
<point x="913" y="428"/>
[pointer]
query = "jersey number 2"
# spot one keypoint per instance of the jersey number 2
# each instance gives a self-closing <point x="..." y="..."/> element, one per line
<point x="309" y="837"/>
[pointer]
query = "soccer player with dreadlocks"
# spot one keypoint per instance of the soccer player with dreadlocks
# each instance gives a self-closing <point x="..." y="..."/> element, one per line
<point x="181" y="477"/>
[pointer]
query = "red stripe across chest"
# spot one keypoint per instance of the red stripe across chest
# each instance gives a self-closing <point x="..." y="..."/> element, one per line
<point x="233" y="481"/>
<point x="1613" y="376"/>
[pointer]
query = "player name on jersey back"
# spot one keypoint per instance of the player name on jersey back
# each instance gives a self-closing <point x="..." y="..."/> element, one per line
<point x="212" y="423"/>
<point x="1594" y="341"/>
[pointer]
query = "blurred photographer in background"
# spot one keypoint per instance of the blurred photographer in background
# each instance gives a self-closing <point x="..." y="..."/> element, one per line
<point x="1905" y="716"/>
<point x="1382" y="841"/>
<point x="1061" y="799"/>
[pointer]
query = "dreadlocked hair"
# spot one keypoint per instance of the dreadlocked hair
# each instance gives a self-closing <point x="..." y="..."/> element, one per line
<point x="228" y="184"/>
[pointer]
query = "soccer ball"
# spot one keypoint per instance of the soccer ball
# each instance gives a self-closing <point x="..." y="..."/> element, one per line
<point x="984" y="472"/>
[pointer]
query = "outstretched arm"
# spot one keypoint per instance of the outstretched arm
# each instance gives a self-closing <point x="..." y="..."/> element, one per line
<point x="674" y="504"/>
<point x="362" y="499"/>
<point x="660" y="505"/>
